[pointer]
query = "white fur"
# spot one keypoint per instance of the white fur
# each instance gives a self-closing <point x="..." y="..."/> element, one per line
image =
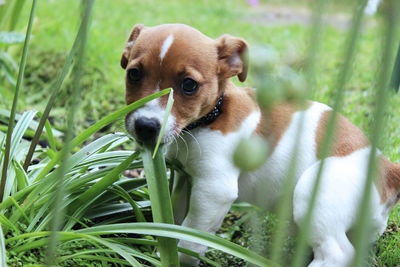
<point x="165" y="46"/>
<point x="217" y="183"/>
<point x="372" y="7"/>
<point x="150" y="110"/>
<point x="214" y="177"/>
<point x="265" y="192"/>
<point x="335" y="213"/>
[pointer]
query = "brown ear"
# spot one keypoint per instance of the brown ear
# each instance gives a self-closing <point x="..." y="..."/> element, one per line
<point x="232" y="56"/>
<point x="131" y="40"/>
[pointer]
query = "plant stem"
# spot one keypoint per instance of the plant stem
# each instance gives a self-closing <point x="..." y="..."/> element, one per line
<point x="156" y="176"/>
<point x="15" y="101"/>
<point x="58" y="212"/>
<point x="364" y="221"/>
<point x="54" y="94"/>
<point x="344" y="75"/>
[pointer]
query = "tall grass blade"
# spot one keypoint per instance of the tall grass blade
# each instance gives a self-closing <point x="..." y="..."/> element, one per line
<point x="363" y="224"/>
<point x="15" y="100"/>
<point x="61" y="171"/>
<point x="16" y="14"/>
<point x="102" y="184"/>
<point x="344" y="75"/>
<point x="396" y="72"/>
<point x="165" y="120"/>
<point x="28" y="242"/>
<point x="49" y="132"/>
<point x="125" y="195"/>
<point x="184" y="233"/>
<point x="156" y="177"/>
<point x="54" y="94"/>
<point x="284" y="208"/>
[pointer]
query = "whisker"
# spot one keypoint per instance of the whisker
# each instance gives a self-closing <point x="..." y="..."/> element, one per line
<point x="186" y="145"/>
<point x="176" y="144"/>
<point x="195" y="139"/>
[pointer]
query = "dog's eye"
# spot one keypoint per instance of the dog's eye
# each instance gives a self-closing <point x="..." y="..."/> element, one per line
<point x="134" y="75"/>
<point x="189" y="86"/>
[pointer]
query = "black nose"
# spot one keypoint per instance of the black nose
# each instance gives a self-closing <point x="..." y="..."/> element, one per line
<point x="147" y="129"/>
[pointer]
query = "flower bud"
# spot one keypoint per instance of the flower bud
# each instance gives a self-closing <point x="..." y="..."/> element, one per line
<point x="251" y="153"/>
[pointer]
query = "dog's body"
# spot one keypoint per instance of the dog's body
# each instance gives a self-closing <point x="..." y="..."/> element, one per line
<point x="199" y="68"/>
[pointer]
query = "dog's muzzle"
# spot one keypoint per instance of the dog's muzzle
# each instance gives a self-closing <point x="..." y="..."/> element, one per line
<point x="147" y="129"/>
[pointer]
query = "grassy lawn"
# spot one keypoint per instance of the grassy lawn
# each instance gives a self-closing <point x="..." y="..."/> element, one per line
<point x="56" y="24"/>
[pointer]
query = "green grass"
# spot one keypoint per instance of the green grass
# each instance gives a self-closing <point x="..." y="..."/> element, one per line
<point x="103" y="87"/>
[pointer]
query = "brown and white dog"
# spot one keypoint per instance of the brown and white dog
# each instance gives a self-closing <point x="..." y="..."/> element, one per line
<point x="211" y="115"/>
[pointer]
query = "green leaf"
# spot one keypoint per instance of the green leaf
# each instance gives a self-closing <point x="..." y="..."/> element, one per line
<point x="93" y="192"/>
<point x="156" y="177"/>
<point x="184" y="233"/>
<point x="65" y="236"/>
<point x="165" y="120"/>
<point x="15" y="100"/>
<point x="50" y="136"/>
<point x="125" y="195"/>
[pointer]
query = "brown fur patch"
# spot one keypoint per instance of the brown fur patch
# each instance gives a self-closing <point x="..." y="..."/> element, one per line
<point x="388" y="182"/>
<point x="276" y="120"/>
<point x="191" y="55"/>
<point x="346" y="139"/>
<point x="238" y="104"/>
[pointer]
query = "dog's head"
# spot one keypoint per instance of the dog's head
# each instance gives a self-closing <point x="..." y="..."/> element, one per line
<point x="179" y="57"/>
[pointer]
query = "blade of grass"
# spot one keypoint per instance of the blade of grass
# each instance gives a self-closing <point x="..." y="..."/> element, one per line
<point x="15" y="100"/>
<point x="16" y="14"/>
<point x="49" y="132"/>
<point x="4" y="221"/>
<point x="156" y="177"/>
<point x="395" y="81"/>
<point x="66" y="236"/>
<point x="363" y="224"/>
<point x="125" y="195"/>
<point x="345" y="71"/>
<point x="284" y="208"/>
<point x="44" y="186"/>
<point x="54" y="94"/>
<point x="139" y="241"/>
<point x="62" y="170"/>
<point x="165" y="120"/>
<point x="101" y="185"/>
<point x="184" y="233"/>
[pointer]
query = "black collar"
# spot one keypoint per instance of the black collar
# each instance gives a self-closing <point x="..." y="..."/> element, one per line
<point x="209" y="117"/>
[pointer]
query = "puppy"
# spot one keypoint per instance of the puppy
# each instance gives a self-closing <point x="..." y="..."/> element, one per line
<point x="211" y="115"/>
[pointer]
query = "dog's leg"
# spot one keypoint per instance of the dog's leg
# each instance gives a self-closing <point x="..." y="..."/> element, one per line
<point x="212" y="194"/>
<point x="335" y="211"/>
<point x="329" y="224"/>
<point x="332" y="251"/>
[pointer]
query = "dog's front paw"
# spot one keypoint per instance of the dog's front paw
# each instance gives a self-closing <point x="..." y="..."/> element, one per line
<point x="187" y="260"/>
